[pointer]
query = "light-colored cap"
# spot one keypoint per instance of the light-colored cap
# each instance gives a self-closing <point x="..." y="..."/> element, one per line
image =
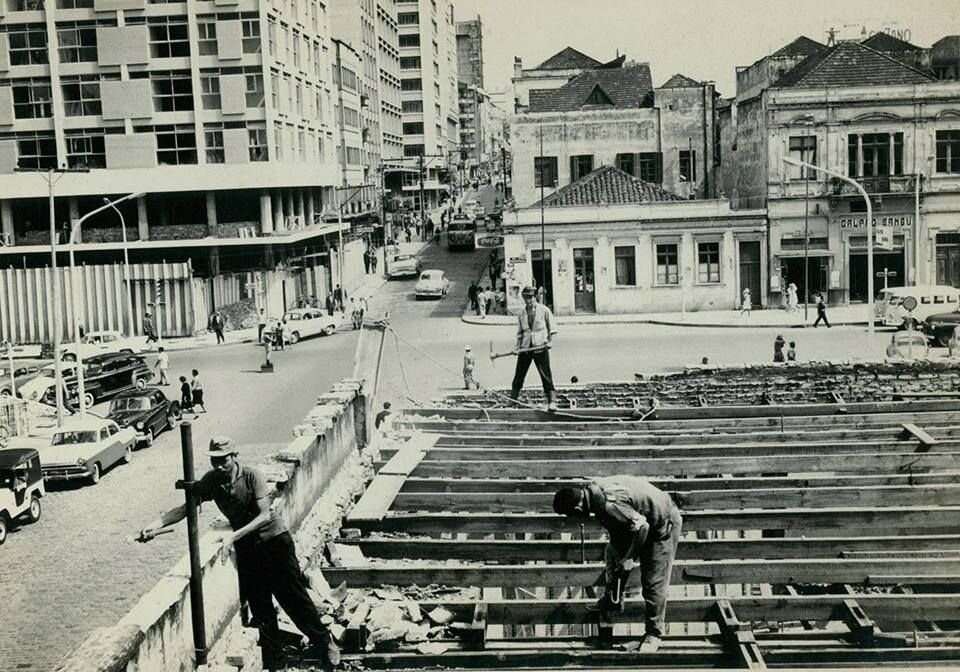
<point x="221" y="446"/>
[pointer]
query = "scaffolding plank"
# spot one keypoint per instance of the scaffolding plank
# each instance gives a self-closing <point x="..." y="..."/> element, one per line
<point x="739" y="637"/>
<point x="920" y="435"/>
<point x="408" y="457"/>
<point x="377" y="498"/>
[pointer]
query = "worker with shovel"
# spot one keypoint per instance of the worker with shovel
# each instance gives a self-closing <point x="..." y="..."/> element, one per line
<point x="534" y="337"/>
<point x="643" y="525"/>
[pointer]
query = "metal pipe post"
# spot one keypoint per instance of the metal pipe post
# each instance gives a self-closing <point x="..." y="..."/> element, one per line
<point x="193" y="538"/>
<point x="75" y="299"/>
<point x="57" y="306"/>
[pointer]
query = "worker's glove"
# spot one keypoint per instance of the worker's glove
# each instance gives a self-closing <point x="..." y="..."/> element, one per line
<point x="146" y="534"/>
<point x="628" y="564"/>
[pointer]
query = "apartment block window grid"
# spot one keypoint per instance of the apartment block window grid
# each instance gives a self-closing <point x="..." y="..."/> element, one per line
<point x="405" y="41"/>
<point x="668" y="267"/>
<point x="172" y="92"/>
<point x="803" y="148"/>
<point x="413" y="84"/>
<point x="207" y="40"/>
<point x="36" y="151"/>
<point x="412" y="106"/>
<point x="545" y="171"/>
<point x="85" y="149"/>
<point x="688" y="165"/>
<point x="874" y="154"/>
<point x="250" y="31"/>
<point x="257" y="140"/>
<point x="408" y="18"/>
<point x="33" y="100"/>
<point x="210" y="91"/>
<point x="81" y="96"/>
<point x="410" y="63"/>
<point x="254" y="90"/>
<point x="74" y="4"/>
<point x="213" y="144"/>
<point x="77" y="43"/>
<point x="708" y="262"/>
<point x="176" y="145"/>
<point x="625" y="264"/>
<point x="28" y="44"/>
<point x="948" y="152"/>
<point x="168" y="37"/>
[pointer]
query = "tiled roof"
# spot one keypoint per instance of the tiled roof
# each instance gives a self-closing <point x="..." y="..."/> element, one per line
<point x="802" y="46"/>
<point x="625" y="87"/>
<point x="608" y="186"/>
<point x="850" y="64"/>
<point x="568" y="59"/>
<point x="946" y="48"/>
<point x="679" y="81"/>
<point x="885" y="42"/>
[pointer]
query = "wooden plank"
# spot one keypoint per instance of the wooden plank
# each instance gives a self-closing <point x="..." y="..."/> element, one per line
<point x="919" y="434"/>
<point x="549" y="550"/>
<point x="861" y="626"/>
<point x="692" y="466"/>
<point x="817" y="570"/>
<point x="923" y="519"/>
<point x="377" y="498"/>
<point x="409" y="456"/>
<point x="739" y="637"/>
<point x="940" y="495"/>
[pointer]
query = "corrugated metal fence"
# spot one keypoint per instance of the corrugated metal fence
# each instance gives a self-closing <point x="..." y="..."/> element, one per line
<point x="26" y="300"/>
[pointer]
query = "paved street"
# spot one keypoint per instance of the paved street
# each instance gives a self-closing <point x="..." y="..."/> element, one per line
<point x="73" y="571"/>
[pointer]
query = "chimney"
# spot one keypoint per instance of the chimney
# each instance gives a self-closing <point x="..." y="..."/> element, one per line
<point x="517" y="66"/>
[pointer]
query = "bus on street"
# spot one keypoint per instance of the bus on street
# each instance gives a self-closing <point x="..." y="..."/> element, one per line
<point x="461" y="233"/>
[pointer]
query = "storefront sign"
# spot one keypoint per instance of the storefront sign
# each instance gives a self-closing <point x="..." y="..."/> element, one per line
<point x="490" y="240"/>
<point x="859" y="222"/>
<point x="518" y="260"/>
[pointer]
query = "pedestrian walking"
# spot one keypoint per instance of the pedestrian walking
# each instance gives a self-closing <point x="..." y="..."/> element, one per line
<point x="261" y="325"/>
<point x="331" y="304"/>
<point x="746" y="304"/>
<point x="217" y="322"/>
<point x="373" y="261"/>
<point x="163" y="363"/>
<point x="778" y="344"/>
<point x="821" y="311"/>
<point x="482" y="303"/>
<point x="267" y="565"/>
<point x="472" y="292"/>
<point x="148" y="330"/>
<point x="408" y="234"/>
<point x="186" y="396"/>
<point x="643" y="526"/>
<point x="339" y="296"/>
<point x="791" y="298"/>
<point x="355" y="315"/>
<point x="534" y="337"/>
<point x="278" y="336"/>
<point x="792" y="352"/>
<point x="196" y="392"/>
<point x="469" y="362"/>
<point x="366" y="261"/>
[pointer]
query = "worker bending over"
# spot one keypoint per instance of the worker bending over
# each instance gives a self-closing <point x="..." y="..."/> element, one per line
<point x="644" y="528"/>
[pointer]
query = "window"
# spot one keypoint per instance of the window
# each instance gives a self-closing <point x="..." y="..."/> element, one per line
<point x="545" y="171"/>
<point x="37" y="152"/>
<point x="168" y="37"/>
<point x="626" y="264"/>
<point x="349" y="79"/>
<point x="874" y="154"/>
<point x="251" y="34"/>
<point x="176" y="145"/>
<point x="210" y="91"/>
<point x="413" y="150"/>
<point x="298" y="95"/>
<point x="207" y="42"/>
<point x="411" y="84"/>
<point x="580" y="165"/>
<point x="74" y="4"/>
<point x="650" y="167"/>
<point x="627" y="163"/>
<point x="413" y="106"/>
<point x="272" y="38"/>
<point x="254" y="91"/>
<point x="410" y="40"/>
<point x="353" y="156"/>
<point x="172" y="93"/>
<point x="688" y="165"/>
<point x="213" y="141"/>
<point x="667" y="266"/>
<point x="296" y="49"/>
<point x="409" y="62"/>
<point x="278" y="141"/>
<point x="708" y="262"/>
<point x="948" y="151"/>
<point x="803" y="148"/>
<point x="351" y="117"/>
<point x="32" y="101"/>
<point x="408" y="18"/>
<point x="81" y="96"/>
<point x="77" y="43"/>
<point x="258" y="144"/>
<point x="28" y="45"/>
<point x="413" y="128"/>
<point x="85" y="150"/>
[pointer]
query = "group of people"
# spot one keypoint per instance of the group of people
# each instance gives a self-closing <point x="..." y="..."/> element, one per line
<point x="779" y="355"/>
<point x="482" y="299"/>
<point x="789" y="303"/>
<point x="191" y="392"/>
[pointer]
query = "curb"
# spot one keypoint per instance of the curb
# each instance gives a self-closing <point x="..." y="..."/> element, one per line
<point x="474" y="321"/>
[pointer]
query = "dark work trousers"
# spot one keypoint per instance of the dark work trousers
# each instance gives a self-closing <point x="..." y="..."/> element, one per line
<point x="219" y="332"/>
<point x="821" y="315"/>
<point x="542" y="359"/>
<point x="655" y="565"/>
<point x="270" y="569"/>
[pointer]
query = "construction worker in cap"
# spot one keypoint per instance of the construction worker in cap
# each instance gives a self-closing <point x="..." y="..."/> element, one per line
<point x="469" y="362"/>
<point x="644" y="527"/>
<point x="534" y="336"/>
<point x="267" y="564"/>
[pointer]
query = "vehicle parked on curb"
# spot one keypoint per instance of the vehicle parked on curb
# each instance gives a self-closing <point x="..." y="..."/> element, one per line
<point x="85" y="448"/>
<point x="303" y="323"/>
<point x="939" y="327"/>
<point x="95" y="343"/>
<point x="147" y="411"/>
<point x="433" y="283"/>
<point x="908" y="344"/>
<point x="21" y="487"/>
<point x="931" y="299"/>
<point x="106" y="376"/>
<point x="404" y="265"/>
<point x="23" y="372"/>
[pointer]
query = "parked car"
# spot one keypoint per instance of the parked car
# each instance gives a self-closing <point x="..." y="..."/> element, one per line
<point x="304" y="323"/>
<point x="404" y="265"/>
<point x="908" y="344"/>
<point x="104" y="376"/>
<point x="84" y="448"/>
<point x="23" y="372"/>
<point x="21" y="487"/>
<point x="939" y="327"/>
<point x="432" y="283"/>
<point x="147" y="411"/>
<point x="96" y="343"/>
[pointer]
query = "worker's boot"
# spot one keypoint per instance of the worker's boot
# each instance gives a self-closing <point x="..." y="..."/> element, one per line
<point x="552" y="401"/>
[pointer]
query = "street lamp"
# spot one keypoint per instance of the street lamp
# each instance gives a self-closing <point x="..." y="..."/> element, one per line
<point x="866" y="199"/>
<point x="126" y="264"/>
<point x="75" y="299"/>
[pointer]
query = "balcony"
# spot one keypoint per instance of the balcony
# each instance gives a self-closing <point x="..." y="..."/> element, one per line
<point x="879" y="185"/>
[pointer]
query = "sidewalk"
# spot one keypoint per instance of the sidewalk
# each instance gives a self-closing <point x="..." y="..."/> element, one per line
<point x="838" y="316"/>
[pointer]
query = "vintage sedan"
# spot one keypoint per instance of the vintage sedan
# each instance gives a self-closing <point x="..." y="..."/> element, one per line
<point x="404" y="265"/>
<point x="84" y="448"/>
<point x="147" y="411"/>
<point x="303" y="323"/>
<point x="100" y="343"/>
<point x="432" y="284"/>
<point x="940" y="327"/>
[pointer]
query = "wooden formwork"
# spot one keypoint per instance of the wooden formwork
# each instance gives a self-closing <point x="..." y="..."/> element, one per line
<point x="816" y="536"/>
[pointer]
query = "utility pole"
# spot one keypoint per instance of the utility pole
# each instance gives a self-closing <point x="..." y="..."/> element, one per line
<point x="423" y="221"/>
<point x="57" y="306"/>
<point x="543" y="245"/>
<point x="503" y="157"/>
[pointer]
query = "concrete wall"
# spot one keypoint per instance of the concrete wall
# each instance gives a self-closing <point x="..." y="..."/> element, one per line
<point x="156" y="634"/>
<point x="687" y="122"/>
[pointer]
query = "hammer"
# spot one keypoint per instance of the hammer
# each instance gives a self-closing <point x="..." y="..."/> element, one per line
<point x="494" y="356"/>
<point x="141" y="539"/>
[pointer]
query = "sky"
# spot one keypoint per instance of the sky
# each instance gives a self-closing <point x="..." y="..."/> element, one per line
<point x="703" y="39"/>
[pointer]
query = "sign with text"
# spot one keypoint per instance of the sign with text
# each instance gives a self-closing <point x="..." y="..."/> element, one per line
<point x="883" y="237"/>
<point x="860" y="221"/>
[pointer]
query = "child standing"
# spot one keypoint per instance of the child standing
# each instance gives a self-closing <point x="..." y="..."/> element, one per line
<point x="792" y="352"/>
<point x="746" y="305"/>
<point x="186" y="397"/>
<point x="469" y="362"/>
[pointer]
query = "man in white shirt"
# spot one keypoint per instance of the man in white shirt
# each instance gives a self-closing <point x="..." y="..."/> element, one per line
<point x="163" y="363"/>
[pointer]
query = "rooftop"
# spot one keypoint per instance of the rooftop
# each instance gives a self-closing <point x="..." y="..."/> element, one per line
<point x="679" y="81"/>
<point x="616" y="87"/>
<point x="886" y="42"/>
<point x="851" y="64"/>
<point x="568" y="58"/>
<point x="607" y="185"/>
<point x="802" y="46"/>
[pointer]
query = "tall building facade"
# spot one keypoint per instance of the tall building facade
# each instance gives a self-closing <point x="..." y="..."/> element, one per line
<point x="474" y="101"/>
<point x="429" y="98"/>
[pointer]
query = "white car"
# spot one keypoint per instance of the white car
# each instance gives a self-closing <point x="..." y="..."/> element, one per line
<point x="101" y="343"/>
<point x="304" y="323"/>
<point x="84" y="448"/>
<point x="433" y="283"/>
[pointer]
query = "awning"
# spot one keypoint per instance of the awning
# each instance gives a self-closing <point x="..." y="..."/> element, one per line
<point x="794" y="254"/>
